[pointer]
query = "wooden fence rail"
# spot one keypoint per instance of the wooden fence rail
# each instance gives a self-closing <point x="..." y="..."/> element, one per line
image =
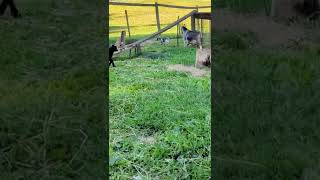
<point x="163" y="5"/>
<point x="139" y="42"/>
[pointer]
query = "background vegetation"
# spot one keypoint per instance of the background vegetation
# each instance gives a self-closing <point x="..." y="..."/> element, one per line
<point x="265" y="115"/>
<point x="52" y="81"/>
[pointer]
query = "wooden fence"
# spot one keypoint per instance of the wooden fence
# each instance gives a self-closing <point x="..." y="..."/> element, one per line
<point x="139" y="42"/>
<point x="156" y="5"/>
<point x="194" y="14"/>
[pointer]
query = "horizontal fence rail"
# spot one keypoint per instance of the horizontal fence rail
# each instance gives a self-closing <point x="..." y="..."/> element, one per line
<point x="163" y="5"/>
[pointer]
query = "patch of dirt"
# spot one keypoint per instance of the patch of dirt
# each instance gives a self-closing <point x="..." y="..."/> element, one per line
<point x="187" y="69"/>
<point x="268" y="32"/>
<point x="147" y="140"/>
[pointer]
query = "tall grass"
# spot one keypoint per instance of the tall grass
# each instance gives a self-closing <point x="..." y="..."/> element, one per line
<point x="159" y="119"/>
<point x="51" y="91"/>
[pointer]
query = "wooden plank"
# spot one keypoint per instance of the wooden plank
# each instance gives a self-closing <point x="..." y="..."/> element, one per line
<point x="128" y="26"/>
<point x="157" y="15"/>
<point x="164" y="5"/>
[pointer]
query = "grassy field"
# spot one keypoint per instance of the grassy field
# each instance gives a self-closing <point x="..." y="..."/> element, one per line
<point x="159" y="119"/>
<point x="52" y="90"/>
<point x="266" y="120"/>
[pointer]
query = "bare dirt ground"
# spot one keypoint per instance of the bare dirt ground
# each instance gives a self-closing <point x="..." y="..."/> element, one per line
<point x="268" y="32"/>
<point x="188" y="69"/>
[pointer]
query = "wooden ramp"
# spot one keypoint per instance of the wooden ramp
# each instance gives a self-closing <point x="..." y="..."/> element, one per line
<point x="139" y="42"/>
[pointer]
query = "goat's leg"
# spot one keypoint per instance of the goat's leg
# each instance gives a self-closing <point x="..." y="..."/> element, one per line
<point x="200" y="42"/>
<point x="200" y="45"/>
<point x="111" y="62"/>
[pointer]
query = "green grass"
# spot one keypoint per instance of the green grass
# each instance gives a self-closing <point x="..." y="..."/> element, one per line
<point x="51" y="91"/>
<point x="159" y="119"/>
<point x="265" y="112"/>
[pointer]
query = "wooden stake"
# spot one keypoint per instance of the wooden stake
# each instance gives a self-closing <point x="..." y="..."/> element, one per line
<point x="198" y="23"/>
<point x="201" y="31"/>
<point x="178" y="27"/>
<point x="157" y="15"/>
<point x="193" y="28"/>
<point x="201" y="26"/>
<point x="128" y="26"/>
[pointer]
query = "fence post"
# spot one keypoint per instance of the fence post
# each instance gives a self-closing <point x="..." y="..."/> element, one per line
<point x="193" y="23"/>
<point x="128" y="26"/>
<point x="157" y="15"/>
<point x="198" y="23"/>
<point x="201" y="26"/>
<point x="178" y="27"/>
<point x="201" y="31"/>
<point x="210" y="26"/>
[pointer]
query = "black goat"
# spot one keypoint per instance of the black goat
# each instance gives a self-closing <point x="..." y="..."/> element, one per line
<point x="112" y="49"/>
